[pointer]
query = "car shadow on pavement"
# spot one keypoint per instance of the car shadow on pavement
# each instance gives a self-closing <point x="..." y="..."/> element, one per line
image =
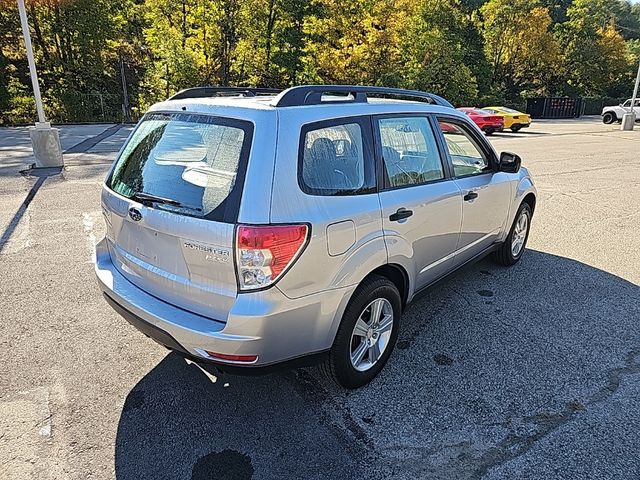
<point x="183" y="422"/>
<point x="491" y="365"/>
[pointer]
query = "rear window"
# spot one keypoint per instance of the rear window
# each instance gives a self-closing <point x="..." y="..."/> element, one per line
<point x="196" y="162"/>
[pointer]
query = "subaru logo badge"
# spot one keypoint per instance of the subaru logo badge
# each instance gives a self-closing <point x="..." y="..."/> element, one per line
<point x="135" y="214"/>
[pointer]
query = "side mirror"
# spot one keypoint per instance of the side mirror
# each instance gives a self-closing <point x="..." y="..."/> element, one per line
<point x="509" y="162"/>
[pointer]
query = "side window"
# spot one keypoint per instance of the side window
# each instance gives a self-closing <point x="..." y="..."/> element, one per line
<point x="466" y="155"/>
<point x="334" y="160"/>
<point x="409" y="151"/>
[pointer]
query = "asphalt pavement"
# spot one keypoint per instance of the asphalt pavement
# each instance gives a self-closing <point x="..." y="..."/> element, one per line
<point x="499" y="373"/>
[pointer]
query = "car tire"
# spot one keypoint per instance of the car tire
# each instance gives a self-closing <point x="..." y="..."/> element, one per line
<point x="507" y="254"/>
<point x="609" y="118"/>
<point x="489" y="131"/>
<point x="516" y="128"/>
<point x="339" y="365"/>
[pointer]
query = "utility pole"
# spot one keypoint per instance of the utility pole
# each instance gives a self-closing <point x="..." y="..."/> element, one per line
<point x="45" y="140"/>
<point x="101" y="105"/>
<point x="125" y="95"/>
<point x="629" y="119"/>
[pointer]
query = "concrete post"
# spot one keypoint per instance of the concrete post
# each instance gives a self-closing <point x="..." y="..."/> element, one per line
<point x="44" y="139"/>
<point x="45" y="142"/>
<point x="628" y="121"/>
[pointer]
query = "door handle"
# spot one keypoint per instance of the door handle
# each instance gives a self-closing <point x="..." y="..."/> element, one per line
<point x="400" y="214"/>
<point x="470" y="196"/>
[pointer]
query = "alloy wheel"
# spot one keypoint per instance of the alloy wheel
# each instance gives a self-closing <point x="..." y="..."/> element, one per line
<point x="371" y="334"/>
<point x="519" y="234"/>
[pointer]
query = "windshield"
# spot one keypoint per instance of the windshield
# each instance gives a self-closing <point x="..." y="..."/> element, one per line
<point x="190" y="162"/>
<point x="483" y="112"/>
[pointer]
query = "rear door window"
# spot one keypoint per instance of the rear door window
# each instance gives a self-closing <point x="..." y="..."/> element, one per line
<point x="196" y="162"/>
<point x="409" y="151"/>
<point x="336" y="158"/>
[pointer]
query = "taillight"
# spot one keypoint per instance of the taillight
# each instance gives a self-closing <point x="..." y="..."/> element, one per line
<point x="264" y="252"/>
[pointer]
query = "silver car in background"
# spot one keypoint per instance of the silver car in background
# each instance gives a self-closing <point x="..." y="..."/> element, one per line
<point x="251" y="229"/>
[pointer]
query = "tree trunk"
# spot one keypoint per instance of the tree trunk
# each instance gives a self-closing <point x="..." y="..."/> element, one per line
<point x="36" y="29"/>
<point x="57" y="35"/>
<point x="184" y="24"/>
<point x="229" y="38"/>
<point x="167" y="88"/>
<point x="271" y="20"/>
<point x="205" y="51"/>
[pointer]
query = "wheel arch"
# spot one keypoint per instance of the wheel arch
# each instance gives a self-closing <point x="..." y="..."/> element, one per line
<point x="397" y="275"/>
<point x="612" y="112"/>
<point x="530" y="199"/>
<point x="394" y="272"/>
<point x="525" y="192"/>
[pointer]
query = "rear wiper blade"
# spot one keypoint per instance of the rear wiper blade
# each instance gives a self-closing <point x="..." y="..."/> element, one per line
<point x="148" y="197"/>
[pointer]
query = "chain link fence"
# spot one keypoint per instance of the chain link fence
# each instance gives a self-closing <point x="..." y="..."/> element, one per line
<point x="73" y="106"/>
<point x="69" y="106"/>
<point x="594" y="105"/>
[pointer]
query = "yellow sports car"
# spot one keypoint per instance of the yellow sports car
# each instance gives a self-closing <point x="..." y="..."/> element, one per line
<point x="513" y="119"/>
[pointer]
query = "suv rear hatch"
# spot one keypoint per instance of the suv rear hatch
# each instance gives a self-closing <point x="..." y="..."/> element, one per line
<point x="171" y="203"/>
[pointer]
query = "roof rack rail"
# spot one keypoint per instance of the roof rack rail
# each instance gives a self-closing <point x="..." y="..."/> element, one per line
<point x="312" y="95"/>
<point x="203" y="92"/>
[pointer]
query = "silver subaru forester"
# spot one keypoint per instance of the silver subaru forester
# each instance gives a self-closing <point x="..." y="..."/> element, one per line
<point x="252" y="229"/>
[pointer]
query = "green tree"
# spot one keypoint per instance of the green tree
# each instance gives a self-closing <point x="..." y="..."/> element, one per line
<point x="357" y="42"/>
<point x="433" y="52"/>
<point x="182" y="54"/>
<point x="627" y="19"/>
<point x="293" y="38"/>
<point x="557" y="9"/>
<point x="522" y="51"/>
<point x="271" y="49"/>
<point x="75" y="52"/>
<point x="8" y="26"/>
<point x="595" y="53"/>
<point x="462" y="49"/>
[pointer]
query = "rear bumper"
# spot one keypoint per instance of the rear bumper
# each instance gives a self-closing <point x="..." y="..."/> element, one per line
<point x="267" y="323"/>
<point x="497" y="127"/>
<point x="163" y="338"/>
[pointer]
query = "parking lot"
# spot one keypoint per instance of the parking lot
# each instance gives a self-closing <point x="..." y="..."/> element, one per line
<point x="528" y="372"/>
